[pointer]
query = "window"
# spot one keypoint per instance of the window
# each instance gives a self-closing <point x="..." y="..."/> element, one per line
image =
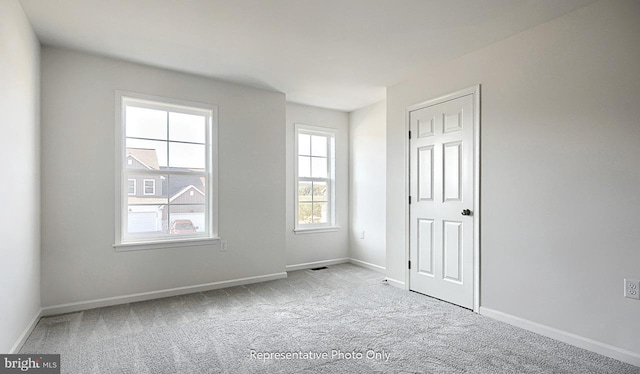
<point x="315" y="178"/>
<point x="149" y="187"/>
<point x="168" y="146"/>
<point x="131" y="187"/>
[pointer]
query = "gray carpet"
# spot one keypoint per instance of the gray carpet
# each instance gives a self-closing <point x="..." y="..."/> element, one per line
<point x="340" y="310"/>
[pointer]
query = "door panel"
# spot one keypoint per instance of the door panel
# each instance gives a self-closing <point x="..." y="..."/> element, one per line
<point x="452" y="171"/>
<point x="452" y="122"/>
<point x="452" y="249"/>
<point x="441" y="180"/>
<point x="425" y="246"/>
<point x="425" y="173"/>
<point x="425" y="127"/>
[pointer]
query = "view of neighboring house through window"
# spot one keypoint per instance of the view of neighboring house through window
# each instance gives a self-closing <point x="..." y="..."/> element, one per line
<point x="167" y="151"/>
<point x="315" y="177"/>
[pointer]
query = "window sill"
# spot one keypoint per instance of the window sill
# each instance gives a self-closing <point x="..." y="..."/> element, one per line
<point x="138" y="246"/>
<point x="316" y="230"/>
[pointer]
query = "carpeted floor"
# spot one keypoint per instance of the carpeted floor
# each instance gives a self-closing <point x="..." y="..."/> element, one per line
<point x="341" y="312"/>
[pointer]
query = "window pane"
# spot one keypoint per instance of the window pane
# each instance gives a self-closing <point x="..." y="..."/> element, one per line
<point x="187" y="189"/>
<point x="304" y="166"/>
<point x="320" y="191"/>
<point x="146" y="220"/>
<point x="304" y="191"/>
<point x="319" y="167"/>
<point x="319" y="146"/>
<point x="187" y="219"/>
<point x="131" y="187"/>
<point x="146" y="123"/>
<point x="304" y="144"/>
<point x="149" y="186"/>
<point x="144" y="195"/>
<point x="320" y="213"/>
<point x="145" y="154"/>
<point x="187" y="156"/>
<point x="187" y="127"/>
<point x="304" y="213"/>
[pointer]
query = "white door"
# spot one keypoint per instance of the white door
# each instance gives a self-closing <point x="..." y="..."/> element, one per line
<point x="441" y="190"/>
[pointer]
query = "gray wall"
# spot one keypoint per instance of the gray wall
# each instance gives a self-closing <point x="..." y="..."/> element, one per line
<point x="305" y="248"/>
<point x="78" y="119"/>
<point x="367" y="189"/>
<point x="560" y="170"/>
<point x="20" y="187"/>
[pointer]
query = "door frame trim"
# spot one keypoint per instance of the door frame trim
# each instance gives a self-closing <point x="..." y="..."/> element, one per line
<point x="473" y="90"/>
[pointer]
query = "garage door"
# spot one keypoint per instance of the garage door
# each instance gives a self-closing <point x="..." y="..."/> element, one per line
<point x="142" y="222"/>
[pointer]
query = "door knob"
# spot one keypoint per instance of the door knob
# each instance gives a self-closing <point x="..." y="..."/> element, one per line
<point x="466" y="212"/>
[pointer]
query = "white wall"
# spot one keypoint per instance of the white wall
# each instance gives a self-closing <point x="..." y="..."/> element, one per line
<point x="560" y="173"/>
<point x="20" y="187"/>
<point x="306" y="248"/>
<point x="78" y="119"/>
<point x="367" y="189"/>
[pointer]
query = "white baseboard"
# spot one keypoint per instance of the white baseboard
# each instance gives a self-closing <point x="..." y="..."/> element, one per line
<point x="395" y="283"/>
<point x="25" y="334"/>
<point x="109" y="301"/>
<point x="368" y="265"/>
<point x="317" y="264"/>
<point x="565" y="337"/>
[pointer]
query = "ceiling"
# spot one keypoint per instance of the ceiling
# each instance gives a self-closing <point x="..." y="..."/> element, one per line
<point x="339" y="54"/>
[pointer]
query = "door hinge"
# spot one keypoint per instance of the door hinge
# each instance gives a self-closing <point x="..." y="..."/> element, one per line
<point x="409" y="134"/>
<point x="409" y="200"/>
<point x="409" y="265"/>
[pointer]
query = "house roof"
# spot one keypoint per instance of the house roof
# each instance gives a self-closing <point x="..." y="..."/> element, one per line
<point x="187" y="188"/>
<point x="179" y="182"/>
<point x="146" y="156"/>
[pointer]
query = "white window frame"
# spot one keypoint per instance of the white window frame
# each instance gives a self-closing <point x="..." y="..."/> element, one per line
<point x="210" y="236"/>
<point x="331" y="134"/>
<point x="144" y="187"/>
<point x="134" y="187"/>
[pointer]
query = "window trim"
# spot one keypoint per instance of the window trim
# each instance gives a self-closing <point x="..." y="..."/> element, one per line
<point x="211" y="237"/>
<point x="331" y="134"/>
<point x="144" y="187"/>
<point x="134" y="187"/>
